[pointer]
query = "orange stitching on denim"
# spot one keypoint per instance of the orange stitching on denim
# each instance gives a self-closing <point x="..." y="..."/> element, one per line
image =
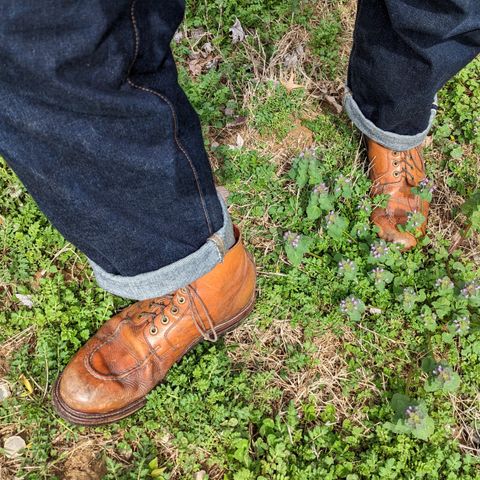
<point x="172" y="109"/>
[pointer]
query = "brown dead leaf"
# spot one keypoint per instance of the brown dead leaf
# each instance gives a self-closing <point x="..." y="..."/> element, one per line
<point x="200" y="62"/>
<point x="237" y="122"/>
<point x="290" y="83"/>
<point x="332" y="101"/>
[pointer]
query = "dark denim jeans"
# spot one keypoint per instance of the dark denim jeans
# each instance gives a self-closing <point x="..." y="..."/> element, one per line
<point x="94" y="123"/>
<point x="404" y="52"/>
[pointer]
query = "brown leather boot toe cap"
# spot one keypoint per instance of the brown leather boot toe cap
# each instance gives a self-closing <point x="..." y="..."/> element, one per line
<point x="388" y="230"/>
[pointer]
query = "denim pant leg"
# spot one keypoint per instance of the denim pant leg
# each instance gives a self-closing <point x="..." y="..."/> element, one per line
<point x="404" y="51"/>
<point x="94" y="123"/>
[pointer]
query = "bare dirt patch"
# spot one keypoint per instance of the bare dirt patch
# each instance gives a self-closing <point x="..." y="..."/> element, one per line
<point x="85" y="462"/>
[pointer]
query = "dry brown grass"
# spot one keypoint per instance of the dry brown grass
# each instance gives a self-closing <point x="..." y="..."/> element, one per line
<point x="467" y="429"/>
<point x="444" y="221"/>
<point x="322" y="381"/>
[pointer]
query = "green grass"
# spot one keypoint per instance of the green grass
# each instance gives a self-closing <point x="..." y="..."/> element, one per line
<point x="306" y="389"/>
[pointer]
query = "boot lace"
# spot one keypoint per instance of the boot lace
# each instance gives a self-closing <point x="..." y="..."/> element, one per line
<point x="208" y="333"/>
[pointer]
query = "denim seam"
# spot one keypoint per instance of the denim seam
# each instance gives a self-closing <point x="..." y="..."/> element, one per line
<point x="172" y="109"/>
<point x="220" y="244"/>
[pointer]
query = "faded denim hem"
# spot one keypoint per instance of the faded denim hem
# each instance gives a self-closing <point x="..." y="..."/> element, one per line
<point x="389" y="140"/>
<point x="170" y="278"/>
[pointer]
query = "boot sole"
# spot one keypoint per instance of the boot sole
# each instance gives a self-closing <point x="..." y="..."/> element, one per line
<point x="80" y="418"/>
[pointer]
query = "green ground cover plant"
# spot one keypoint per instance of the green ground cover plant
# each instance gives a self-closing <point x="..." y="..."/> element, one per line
<point x="359" y="362"/>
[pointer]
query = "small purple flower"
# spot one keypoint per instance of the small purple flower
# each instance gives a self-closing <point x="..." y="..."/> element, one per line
<point x="308" y="152"/>
<point x="331" y="218"/>
<point x="443" y="373"/>
<point x="347" y="266"/>
<point x="379" y="249"/>
<point x="292" y="238"/>
<point x="351" y="304"/>
<point x="320" y="189"/>
<point x="415" y="219"/>
<point x="471" y="289"/>
<point x="461" y="325"/>
<point x="414" y="415"/>
<point x="426" y="185"/>
<point x="342" y="183"/>
<point x="444" y="283"/>
<point x="378" y="273"/>
<point x="365" y="205"/>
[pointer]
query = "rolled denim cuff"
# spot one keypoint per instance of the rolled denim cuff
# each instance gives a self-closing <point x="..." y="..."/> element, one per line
<point x="174" y="276"/>
<point x="389" y="140"/>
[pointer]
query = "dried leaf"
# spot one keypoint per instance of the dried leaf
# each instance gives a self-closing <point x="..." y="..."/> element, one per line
<point x="207" y="48"/>
<point x="240" y="141"/>
<point x="238" y="34"/>
<point x="239" y="121"/>
<point x="223" y="192"/>
<point x="333" y="102"/>
<point x="198" y="33"/>
<point x="195" y="67"/>
<point x="428" y="141"/>
<point x="290" y="83"/>
<point x="178" y="37"/>
<point x="292" y="59"/>
<point x="26" y="383"/>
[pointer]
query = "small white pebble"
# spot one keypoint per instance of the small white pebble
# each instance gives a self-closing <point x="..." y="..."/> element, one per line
<point x="13" y="446"/>
<point x="4" y="391"/>
<point x="25" y="300"/>
<point x="200" y="475"/>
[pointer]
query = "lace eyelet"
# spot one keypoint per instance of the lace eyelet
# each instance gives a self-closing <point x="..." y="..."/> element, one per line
<point x="181" y="300"/>
<point x="174" y="310"/>
<point x="395" y="154"/>
<point x="153" y="330"/>
<point x="183" y="290"/>
<point x="164" y="319"/>
<point x="395" y="163"/>
<point x="396" y="174"/>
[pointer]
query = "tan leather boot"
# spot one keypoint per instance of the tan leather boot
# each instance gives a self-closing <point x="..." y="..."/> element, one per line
<point x="395" y="173"/>
<point x="112" y="373"/>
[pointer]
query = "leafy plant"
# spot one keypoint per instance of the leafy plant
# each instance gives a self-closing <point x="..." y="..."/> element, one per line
<point x="411" y="417"/>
